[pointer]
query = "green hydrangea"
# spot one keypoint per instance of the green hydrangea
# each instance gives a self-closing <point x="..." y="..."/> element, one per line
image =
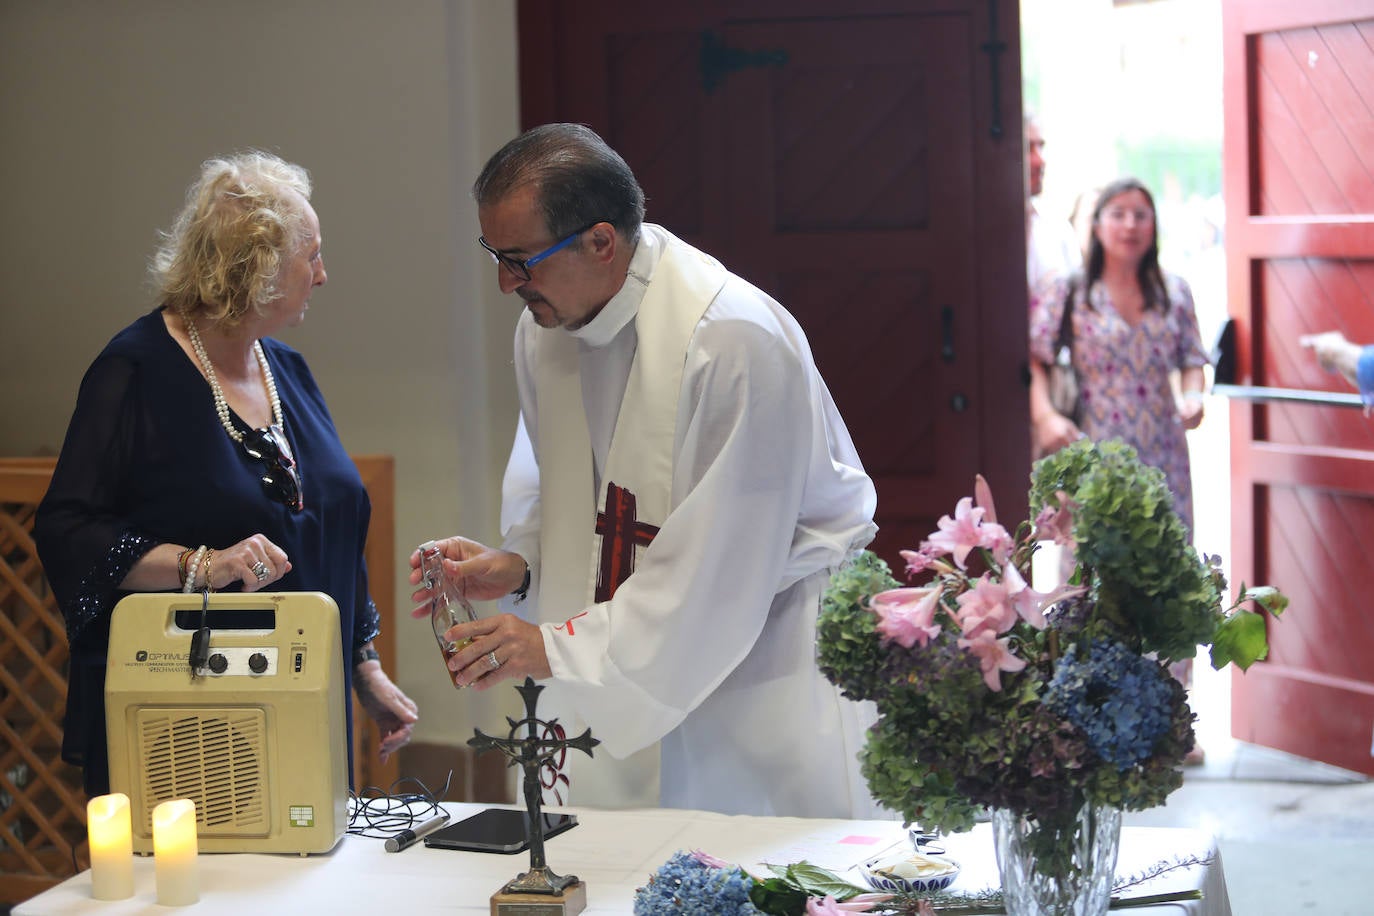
<point x="952" y="738"/>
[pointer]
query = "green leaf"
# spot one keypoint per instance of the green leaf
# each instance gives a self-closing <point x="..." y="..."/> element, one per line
<point x="1239" y="639"/>
<point x="817" y="882"/>
<point x="779" y="870"/>
<point x="777" y="897"/>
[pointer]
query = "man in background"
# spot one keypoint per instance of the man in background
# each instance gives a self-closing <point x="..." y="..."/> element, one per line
<point x="1052" y="251"/>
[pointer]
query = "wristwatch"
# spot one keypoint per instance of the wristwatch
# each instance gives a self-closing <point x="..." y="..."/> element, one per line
<point x="523" y="591"/>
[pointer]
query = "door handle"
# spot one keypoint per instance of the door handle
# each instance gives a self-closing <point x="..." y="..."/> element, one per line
<point x="947" y="334"/>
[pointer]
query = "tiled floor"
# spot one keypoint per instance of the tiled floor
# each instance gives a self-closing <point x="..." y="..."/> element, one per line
<point x="1295" y="836"/>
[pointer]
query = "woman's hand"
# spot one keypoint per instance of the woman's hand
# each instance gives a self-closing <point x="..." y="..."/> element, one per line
<point x="159" y="569"/>
<point x="1050" y="428"/>
<point x="393" y="711"/>
<point x="1190" y="410"/>
<point x="255" y="561"/>
<point x="483" y="573"/>
<point x="1053" y="431"/>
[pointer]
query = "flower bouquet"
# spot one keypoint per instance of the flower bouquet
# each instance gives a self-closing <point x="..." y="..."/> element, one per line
<point x="1043" y="706"/>
<point x="698" y="884"/>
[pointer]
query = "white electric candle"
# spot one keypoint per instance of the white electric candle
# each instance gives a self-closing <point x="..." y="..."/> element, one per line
<point x="110" y="833"/>
<point x="174" y="853"/>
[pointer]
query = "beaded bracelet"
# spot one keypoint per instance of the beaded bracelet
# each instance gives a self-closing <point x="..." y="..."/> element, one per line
<point x="188" y="584"/>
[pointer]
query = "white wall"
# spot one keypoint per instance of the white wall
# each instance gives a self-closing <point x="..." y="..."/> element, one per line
<point x="107" y="107"/>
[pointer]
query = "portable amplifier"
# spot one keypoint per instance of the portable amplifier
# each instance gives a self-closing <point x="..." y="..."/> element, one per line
<point x="256" y="737"/>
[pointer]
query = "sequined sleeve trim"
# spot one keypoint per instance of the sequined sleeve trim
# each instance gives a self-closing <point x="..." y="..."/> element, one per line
<point x="368" y="626"/>
<point x="95" y="594"/>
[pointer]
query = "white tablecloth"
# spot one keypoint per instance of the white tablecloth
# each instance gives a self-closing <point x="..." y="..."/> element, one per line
<point x="614" y="852"/>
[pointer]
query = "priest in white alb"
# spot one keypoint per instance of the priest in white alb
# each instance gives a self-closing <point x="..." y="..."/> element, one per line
<point x="680" y="488"/>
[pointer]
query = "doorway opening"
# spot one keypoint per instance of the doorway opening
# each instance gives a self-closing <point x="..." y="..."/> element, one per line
<point x="1123" y="87"/>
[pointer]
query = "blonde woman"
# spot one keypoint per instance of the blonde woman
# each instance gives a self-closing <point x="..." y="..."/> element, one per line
<point x="201" y="454"/>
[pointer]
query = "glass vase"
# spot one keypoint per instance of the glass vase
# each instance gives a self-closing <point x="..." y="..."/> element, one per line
<point x="1057" y="868"/>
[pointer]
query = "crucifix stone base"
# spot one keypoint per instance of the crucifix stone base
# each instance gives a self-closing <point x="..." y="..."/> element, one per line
<point x="568" y="902"/>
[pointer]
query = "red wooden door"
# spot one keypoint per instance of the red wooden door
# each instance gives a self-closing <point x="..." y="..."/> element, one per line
<point x="861" y="163"/>
<point x="1299" y="157"/>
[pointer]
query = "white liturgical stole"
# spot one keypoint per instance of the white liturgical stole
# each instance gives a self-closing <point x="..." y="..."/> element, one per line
<point x="589" y="541"/>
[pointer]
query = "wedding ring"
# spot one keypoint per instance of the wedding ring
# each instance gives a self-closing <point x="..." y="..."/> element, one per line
<point x="259" y="569"/>
<point x="492" y="660"/>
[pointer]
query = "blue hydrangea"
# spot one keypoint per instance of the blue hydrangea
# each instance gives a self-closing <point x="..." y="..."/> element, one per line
<point x="684" y="886"/>
<point x="1119" y="699"/>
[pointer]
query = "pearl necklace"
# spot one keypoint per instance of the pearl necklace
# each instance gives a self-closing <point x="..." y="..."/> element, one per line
<point x="221" y="404"/>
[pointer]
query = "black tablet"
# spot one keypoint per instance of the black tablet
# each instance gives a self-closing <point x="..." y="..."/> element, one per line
<point x="500" y="830"/>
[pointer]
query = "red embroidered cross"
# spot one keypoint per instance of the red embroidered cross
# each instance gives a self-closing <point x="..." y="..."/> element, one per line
<point x="620" y="534"/>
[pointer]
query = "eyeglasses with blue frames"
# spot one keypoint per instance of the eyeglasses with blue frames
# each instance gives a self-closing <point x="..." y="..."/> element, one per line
<point x="520" y="267"/>
<point x="279" y="477"/>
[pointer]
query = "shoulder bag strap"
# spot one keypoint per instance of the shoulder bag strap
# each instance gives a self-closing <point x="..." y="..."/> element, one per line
<point x="1065" y="338"/>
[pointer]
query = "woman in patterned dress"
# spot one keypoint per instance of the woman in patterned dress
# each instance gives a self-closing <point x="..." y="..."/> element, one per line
<point x="1133" y="326"/>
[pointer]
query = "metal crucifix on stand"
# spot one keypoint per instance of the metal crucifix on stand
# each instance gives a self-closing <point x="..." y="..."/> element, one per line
<point x="537" y="891"/>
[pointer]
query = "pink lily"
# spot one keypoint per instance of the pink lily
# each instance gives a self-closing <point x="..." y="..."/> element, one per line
<point x="1029" y="604"/>
<point x="995" y="536"/>
<point x="917" y="561"/>
<point x="985" y="607"/>
<point x="994" y="655"/>
<point x="907" y="615"/>
<point x="982" y="494"/>
<point x="829" y="906"/>
<point x="710" y="861"/>
<point x="959" y="535"/>
<point x="1056" y="523"/>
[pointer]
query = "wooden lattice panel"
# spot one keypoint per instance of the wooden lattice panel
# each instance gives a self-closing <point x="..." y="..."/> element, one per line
<point x="42" y="807"/>
<point x="42" y="804"/>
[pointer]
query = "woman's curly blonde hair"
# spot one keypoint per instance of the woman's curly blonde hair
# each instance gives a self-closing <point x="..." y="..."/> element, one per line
<point x="222" y="256"/>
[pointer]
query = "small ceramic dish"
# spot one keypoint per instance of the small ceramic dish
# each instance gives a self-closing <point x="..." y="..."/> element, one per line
<point x="912" y="873"/>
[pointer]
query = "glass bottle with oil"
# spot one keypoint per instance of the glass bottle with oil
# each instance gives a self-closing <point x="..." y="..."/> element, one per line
<point x="448" y="607"/>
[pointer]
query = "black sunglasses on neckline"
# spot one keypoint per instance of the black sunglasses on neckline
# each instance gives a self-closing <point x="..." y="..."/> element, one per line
<point x="279" y="479"/>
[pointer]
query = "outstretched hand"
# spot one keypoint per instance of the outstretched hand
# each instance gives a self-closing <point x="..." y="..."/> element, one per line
<point x="1334" y="353"/>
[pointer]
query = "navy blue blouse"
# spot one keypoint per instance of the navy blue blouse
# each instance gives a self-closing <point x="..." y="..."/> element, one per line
<point x="146" y="462"/>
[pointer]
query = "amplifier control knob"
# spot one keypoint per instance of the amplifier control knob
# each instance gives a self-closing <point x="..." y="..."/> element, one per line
<point x="257" y="662"/>
<point x="218" y="663"/>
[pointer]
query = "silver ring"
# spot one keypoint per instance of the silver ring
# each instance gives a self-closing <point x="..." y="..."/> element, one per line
<point x="259" y="569"/>
<point x="492" y="660"/>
